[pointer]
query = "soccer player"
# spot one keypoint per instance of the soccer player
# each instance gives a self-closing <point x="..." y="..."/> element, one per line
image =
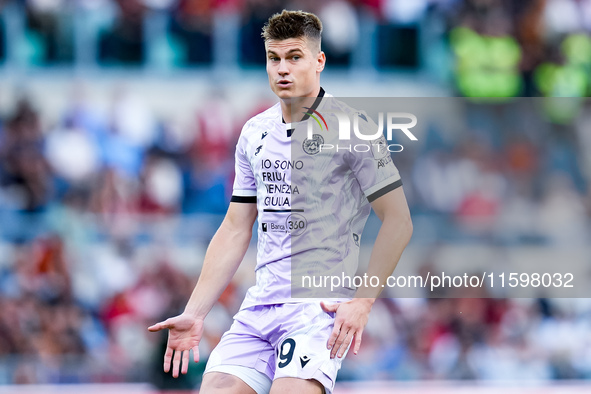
<point x="279" y="343"/>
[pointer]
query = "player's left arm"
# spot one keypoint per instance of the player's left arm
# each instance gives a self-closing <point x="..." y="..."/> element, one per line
<point x="395" y="232"/>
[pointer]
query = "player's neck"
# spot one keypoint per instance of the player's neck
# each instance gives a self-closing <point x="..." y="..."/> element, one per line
<point x="293" y="109"/>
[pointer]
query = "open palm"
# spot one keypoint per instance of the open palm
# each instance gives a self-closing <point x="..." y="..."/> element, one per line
<point x="184" y="334"/>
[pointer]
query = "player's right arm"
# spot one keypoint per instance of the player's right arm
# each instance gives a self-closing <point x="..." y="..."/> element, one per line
<point x="224" y="254"/>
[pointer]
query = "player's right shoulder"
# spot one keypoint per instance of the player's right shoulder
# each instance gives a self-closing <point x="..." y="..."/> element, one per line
<point x="262" y="120"/>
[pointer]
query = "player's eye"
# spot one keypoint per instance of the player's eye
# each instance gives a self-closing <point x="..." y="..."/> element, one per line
<point x="274" y="58"/>
<point x="296" y="57"/>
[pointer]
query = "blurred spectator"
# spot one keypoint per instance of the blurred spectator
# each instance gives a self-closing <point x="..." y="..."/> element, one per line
<point x="73" y="155"/>
<point x="255" y="15"/>
<point x="124" y="42"/>
<point x="192" y="23"/>
<point x="487" y="64"/>
<point x="529" y="32"/>
<point x="162" y="186"/>
<point x="398" y="34"/>
<point x="25" y="173"/>
<point x="340" y="34"/>
<point x="212" y="156"/>
<point x="47" y="34"/>
<point x="562" y="218"/>
<point x="2" y="37"/>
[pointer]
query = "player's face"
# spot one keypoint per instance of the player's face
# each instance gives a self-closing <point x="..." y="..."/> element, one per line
<point x="294" y="67"/>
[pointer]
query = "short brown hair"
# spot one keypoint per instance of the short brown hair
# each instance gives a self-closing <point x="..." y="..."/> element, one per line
<point x="293" y="24"/>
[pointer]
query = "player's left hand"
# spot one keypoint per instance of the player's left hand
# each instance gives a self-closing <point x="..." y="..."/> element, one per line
<point x="350" y="320"/>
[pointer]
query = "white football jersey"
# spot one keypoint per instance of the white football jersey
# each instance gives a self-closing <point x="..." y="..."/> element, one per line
<point x="312" y="196"/>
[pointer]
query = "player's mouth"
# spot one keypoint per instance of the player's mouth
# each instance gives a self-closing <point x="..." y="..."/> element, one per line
<point x="284" y="83"/>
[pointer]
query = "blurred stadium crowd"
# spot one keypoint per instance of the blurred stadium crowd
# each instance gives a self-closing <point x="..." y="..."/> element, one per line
<point x="502" y="47"/>
<point x="105" y="215"/>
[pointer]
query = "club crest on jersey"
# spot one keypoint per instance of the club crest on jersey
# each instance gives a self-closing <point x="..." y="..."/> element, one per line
<point x="312" y="145"/>
<point x="256" y="152"/>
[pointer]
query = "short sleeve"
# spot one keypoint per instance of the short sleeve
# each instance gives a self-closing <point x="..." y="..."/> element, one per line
<point x="371" y="162"/>
<point x="244" y="190"/>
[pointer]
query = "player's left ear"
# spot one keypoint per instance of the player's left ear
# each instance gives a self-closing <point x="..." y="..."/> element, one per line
<point x="321" y="61"/>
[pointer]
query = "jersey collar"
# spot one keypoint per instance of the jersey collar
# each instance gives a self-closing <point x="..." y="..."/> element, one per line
<point x="317" y="102"/>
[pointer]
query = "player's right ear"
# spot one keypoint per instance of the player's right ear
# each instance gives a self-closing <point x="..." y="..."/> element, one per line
<point x="321" y="59"/>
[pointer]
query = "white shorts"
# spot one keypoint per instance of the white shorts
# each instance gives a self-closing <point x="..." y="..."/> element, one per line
<point x="277" y="341"/>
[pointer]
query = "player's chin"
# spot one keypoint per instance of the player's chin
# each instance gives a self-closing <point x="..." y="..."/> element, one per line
<point x="284" y="93"/>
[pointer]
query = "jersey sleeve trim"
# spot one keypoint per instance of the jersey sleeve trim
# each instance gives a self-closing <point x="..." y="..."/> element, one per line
<point x="371" y="190"/>
<point x="244" y="199"/>
<point x="244" y="192"/>
<point x="384" y="190"/>
<point x="244" y="196"/>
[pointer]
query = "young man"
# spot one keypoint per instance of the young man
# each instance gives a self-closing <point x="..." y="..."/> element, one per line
<point x="278" y="343"/>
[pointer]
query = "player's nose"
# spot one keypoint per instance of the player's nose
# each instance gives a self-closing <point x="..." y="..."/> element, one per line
<point x="283" y="69"/>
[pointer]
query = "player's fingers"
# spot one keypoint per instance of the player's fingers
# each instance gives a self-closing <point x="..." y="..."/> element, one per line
<point x="176" y="363"/>
<point x="338" y="342"/>
<point x="162" y="325"/>
<point x="185" y="366"/>
<point x="357" y="341"/>
<point x="345" y="344"/>
<point x="196" y="354"/>
<point x="334" y="335"/>
<point x="156" y="327"/>
<point x="330" y="308"/>
<point x="167" y="359"/>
